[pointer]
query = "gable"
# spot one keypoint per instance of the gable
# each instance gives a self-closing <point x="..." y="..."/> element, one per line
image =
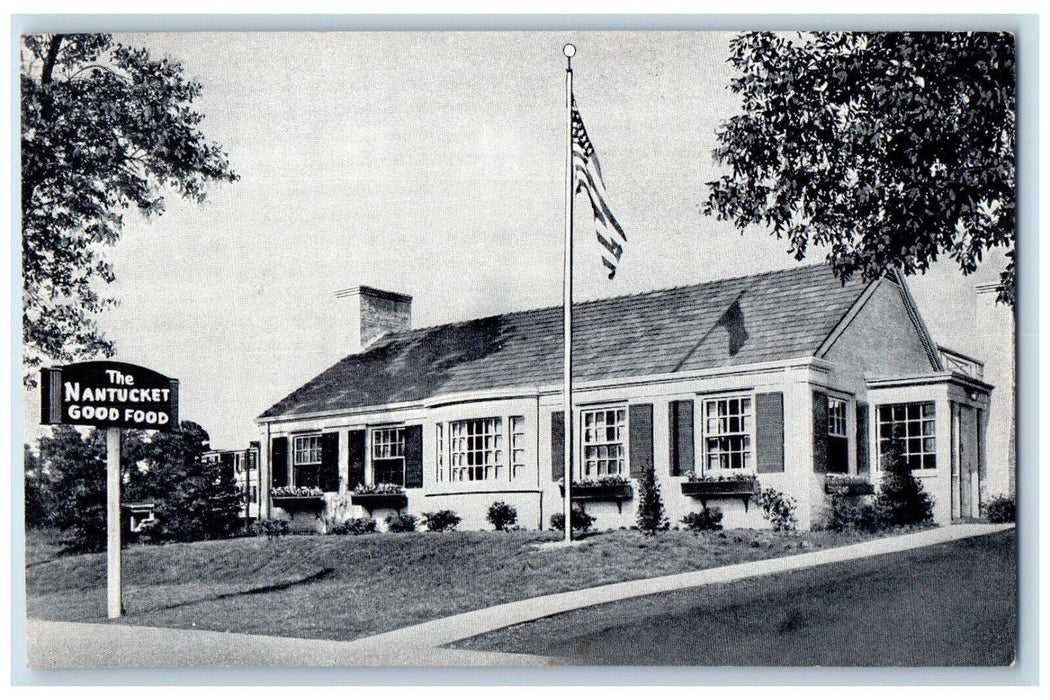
<point x="882" y="339"/>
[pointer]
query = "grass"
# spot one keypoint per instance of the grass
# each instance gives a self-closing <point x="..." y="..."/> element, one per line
<point x="345" y="587"/>
<point x="43" y="546"/>
<point x="949" y="605"/>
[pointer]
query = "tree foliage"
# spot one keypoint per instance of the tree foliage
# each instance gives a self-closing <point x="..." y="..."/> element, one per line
<point x="37" y="491"/>
<point x="105" y="127"/>
<point x="75" y="468"/>
<point x="650" y="517"/>
<point x="901" y="499"/>
<point x="194" y="501"/>
<point x="890" y="149"/>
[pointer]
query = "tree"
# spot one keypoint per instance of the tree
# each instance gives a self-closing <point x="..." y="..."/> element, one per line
<point x="194" y="500"/>
<point x="37" y="490"/>
<point x="901" y="499"/>
<point x="891" y="149"/>
<point x="104" y="127"/>
<point x="650" y="518"/>
<point x="76" y="468"/>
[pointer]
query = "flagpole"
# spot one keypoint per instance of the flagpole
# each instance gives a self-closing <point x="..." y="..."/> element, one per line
<point x="569" y="51"/>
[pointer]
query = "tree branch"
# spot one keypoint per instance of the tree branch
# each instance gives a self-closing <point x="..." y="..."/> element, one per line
<point x="52" y="57"/>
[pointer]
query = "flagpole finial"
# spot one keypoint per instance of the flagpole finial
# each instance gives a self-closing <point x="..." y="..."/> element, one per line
<point x="569" y="50"/>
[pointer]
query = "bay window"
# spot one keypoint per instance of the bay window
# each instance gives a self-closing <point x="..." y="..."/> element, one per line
<point x="517" y="447"/>
<point x="475" y="449"/>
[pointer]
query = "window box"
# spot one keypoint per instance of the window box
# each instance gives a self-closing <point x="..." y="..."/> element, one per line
<point x="379" y="496"/>
<point x="848" y="486"/>
<point x="613" y="488"/>
<point x="622" y="491"/>
<point x="742" y="487"/>
<point x="297" y="498"/>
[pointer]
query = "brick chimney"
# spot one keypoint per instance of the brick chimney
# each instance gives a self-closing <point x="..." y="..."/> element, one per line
<point x="374" y="313"/>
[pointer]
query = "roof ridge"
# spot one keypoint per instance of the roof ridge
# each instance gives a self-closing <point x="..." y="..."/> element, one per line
<point x="600" y="300"/>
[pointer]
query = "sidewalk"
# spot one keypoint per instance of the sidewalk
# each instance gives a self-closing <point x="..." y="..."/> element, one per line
<point x="52" y="645"/>
<point x="82" y="645"/>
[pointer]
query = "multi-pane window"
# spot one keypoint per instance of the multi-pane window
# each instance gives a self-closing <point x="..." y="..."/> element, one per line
<point x="836" y="417"/>
<point x="475" y="449"/>
<point x="603" y="442"/>
<point x="727" y="432"/>
<point x="439" y="442"/>
<point x="388" y="456"/>
<point x="517" y="446"/>
<point x="306" y="460"/>
<point x="838" y="439"/>
<point x="307" y="449"/>
<point x="913" y="425"/>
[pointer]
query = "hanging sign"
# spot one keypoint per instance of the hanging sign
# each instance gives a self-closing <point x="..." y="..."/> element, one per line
<point x="109" y="395"/>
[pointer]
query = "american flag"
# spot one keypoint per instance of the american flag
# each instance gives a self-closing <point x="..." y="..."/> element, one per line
<point x="588" y="176"/>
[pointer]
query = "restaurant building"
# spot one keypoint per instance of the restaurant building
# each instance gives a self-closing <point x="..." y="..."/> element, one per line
<point x="723" y="388"/>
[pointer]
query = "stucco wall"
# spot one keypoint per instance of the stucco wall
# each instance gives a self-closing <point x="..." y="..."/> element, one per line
<point x="537" y="495"/>
<point x="880" y="341"/>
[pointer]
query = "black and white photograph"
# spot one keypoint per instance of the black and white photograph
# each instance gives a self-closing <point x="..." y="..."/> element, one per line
<point x="519" y="349"/>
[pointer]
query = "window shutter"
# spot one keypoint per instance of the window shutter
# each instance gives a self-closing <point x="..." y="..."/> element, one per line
<point x="769" y="432"/>
<point x="356" y="454"/>
<point x="820" y="432"/>
<point x="279" y="462"/>
<point x="413" y="456"/>
<point x="640" y="427"/>
<point x="557" y="445"/>
<point x="329" y="477"/>
<point x="862" y="439"/>
<point x="680" y="427"/>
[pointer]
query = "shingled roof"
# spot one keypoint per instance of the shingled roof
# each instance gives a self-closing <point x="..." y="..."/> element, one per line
<point x="758" y="318"/>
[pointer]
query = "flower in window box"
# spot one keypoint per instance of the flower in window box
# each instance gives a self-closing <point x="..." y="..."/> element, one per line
<point x="382" y="489"/>
<point x="296" y="492"/>
<point x="719" y="477"/>
<point x="848" y="485"/>
<point x="612" y="480"/>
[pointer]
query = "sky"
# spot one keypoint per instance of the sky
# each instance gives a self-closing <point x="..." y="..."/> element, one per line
<point x="432" y="164"/>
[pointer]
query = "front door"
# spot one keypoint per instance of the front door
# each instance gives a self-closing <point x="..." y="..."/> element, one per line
<point x="967" y="486"/>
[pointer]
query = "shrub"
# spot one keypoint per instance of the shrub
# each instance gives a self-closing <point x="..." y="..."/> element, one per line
<point x="778" y="509"/>
<point x="271" y="529"/>
<point x="441" y="521"/>
<point x="354" y="526"/>
<point x="580" y="520"/>
<point x="842" y="513"/>
<point x="901" y="499"/>
<point x="650" y="517"/>
<point x="502" y="515"/>
<point x="707" y="519"/>
<point x="401" y="522"/>
<point x="1000" y="509"/>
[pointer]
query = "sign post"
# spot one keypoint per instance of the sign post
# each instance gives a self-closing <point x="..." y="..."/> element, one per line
<point x="113" y="594"/>
<point x="114" y="396"/>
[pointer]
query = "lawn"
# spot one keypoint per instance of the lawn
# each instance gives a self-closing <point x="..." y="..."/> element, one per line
<point x="345" y="587"/>
<point x="953" y="604"/>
